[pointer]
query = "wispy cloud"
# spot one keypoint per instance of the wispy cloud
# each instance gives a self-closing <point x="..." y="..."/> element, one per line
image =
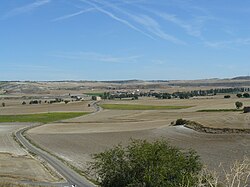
<point x="30" y="67"/>
<point x="145" y="21"/>
<point x="143" y="24"/>
<point x="74" y="14"/>
<point x="189" y="28"/>
<point x="230" y="44"/>
<point x="193" y="23"/>
<point x="154" y="28"/>
<point x="116" y="18"/>
<point x="89" y="10"/>
<point x="26" y="8"/>
<point x="97" y="57"/>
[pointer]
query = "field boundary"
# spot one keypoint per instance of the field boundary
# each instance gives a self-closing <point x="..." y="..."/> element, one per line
<point x="40" y="117"/>
<point x="220" y="110"/>
<point x="201" y="128"/>
<point x="141" y="107"/>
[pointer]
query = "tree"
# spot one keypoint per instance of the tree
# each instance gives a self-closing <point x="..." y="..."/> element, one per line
<point x="238" y="104"/>
<point x="227" y="96"/>
<point x="246" y="95"/>
<point x="143" y="164"/>
<point x="180" y="122"/>
<point x="239" y="95"/>
<point x="3" y="104"/>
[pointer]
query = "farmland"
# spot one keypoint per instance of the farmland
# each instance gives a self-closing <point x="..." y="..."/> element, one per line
<point x="78" y="132"/>
<point x="15" y="163"/>
<point x="94" y="133"/>
<point x="140" y="107"/>
<point x="40" y="118"/>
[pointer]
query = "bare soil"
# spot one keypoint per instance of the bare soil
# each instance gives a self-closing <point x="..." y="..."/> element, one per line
<point x="22" y="168"/>
<point x="15" y="107"/>
<point x="15" y="162"/>
<point x="76" y="148"/>
<point x="76" y="139"/>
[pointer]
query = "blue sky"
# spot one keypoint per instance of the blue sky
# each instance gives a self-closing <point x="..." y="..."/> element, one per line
<point x="124" y="39"/>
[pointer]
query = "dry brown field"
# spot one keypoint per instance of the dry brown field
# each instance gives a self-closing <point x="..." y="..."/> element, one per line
<point x="15" y="107"/>
<point x="76" y="139"/>
<point x="15" y="163"/>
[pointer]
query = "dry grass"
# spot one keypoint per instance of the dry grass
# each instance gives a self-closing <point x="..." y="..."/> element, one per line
<point x="237" y="176"/>
<point x="7" y="143"/>
<point x="16" y="168"/>
<point x="15" y="164"/>
<point x="8" y="184"/>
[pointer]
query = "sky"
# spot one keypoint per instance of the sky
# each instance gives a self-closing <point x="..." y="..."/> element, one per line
<point x="124" y="39"/>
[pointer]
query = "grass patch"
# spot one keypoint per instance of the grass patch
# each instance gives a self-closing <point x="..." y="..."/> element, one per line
<point x="41" y="118"/>
<point x="140" y="107"/>
<point x="220" y="110"/>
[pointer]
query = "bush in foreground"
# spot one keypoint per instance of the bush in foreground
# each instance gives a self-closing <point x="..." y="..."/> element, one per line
<point x="145" y="164"/>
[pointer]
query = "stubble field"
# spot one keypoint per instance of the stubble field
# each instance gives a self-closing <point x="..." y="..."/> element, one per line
<point x="15" y="163"/>
<point x="15" y="107"/>
<point x="76" y="139"/>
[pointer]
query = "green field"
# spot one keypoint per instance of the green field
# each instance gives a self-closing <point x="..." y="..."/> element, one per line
<point x="140" y="107"/>
<point x="220" y="110"/>
<point x="41" y="118"/>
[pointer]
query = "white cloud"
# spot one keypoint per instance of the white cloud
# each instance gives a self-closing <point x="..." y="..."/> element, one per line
<point x="26" y="8"/>
<point x="229" y="43"/>
<point x="190" y="29"/>
<point x="151" y="25"/>
<point x="74" y="14"/>
<point x="116" y="18"/>
<point x="97" y="57"/>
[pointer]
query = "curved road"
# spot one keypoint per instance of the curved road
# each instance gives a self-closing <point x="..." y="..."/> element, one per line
<point x="69" y="174"/>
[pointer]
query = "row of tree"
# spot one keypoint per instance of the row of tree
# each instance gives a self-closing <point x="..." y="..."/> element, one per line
<point x="108" y="95"/>
<point x="245" y="95"/>
<point x="181" y="95"/>
<point x="186" y="95"/>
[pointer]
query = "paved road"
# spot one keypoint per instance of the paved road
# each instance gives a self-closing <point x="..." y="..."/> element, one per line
<point x="69" y="174"/>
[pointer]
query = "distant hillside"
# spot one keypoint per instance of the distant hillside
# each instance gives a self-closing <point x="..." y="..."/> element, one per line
<point x="241" y="78"/>
<point x="123" y="81"/>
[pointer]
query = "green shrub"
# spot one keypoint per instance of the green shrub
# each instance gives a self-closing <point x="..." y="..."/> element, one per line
<point x="246" y="95"/>
<point x="180" y="122"/>
<point x="238" y="104"/>
<point x="239" y="95"/>
<point x="143" y="164"/>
